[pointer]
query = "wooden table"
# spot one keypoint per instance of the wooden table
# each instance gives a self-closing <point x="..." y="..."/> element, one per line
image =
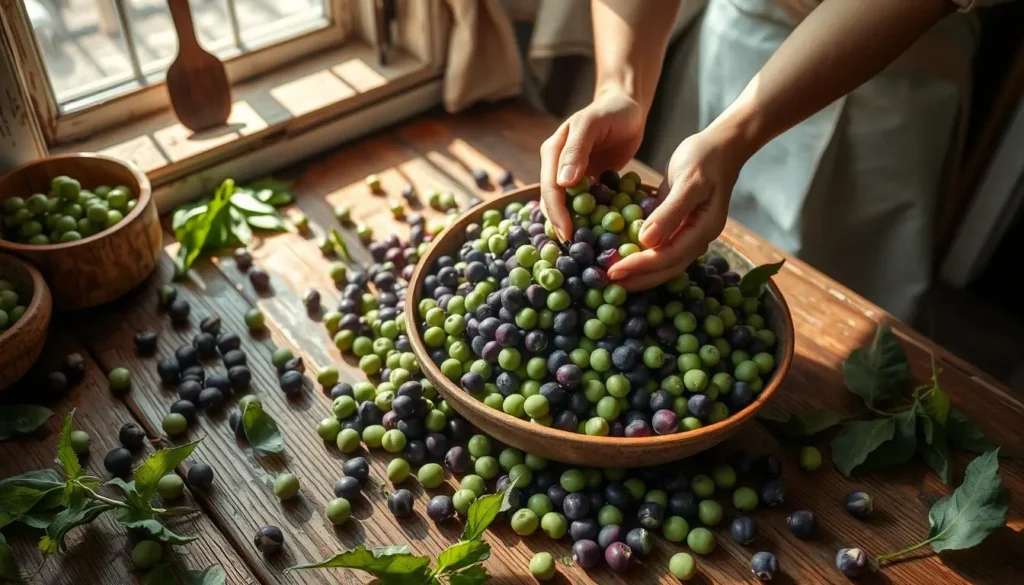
<point x="439" y="153"/>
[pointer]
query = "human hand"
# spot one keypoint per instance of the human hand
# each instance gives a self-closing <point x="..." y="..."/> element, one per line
<point x="604" y="135"/>
<point x="692" y="212"/>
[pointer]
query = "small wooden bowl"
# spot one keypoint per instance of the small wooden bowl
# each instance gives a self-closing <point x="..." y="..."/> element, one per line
<point x="22" y="342"/>
<point x="104" y="266"/>
<point x="576" y="448"/>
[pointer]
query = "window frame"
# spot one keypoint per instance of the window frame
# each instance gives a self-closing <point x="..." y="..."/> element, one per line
<point x="59" y="127"/>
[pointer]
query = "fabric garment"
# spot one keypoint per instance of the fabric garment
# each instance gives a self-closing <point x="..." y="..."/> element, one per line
<point x="482" y="61"/>
<point x="854" y="189"/>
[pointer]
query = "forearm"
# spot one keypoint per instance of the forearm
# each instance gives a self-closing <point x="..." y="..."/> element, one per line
<point x="630" y="39"/>
<point x="839" y="46"/>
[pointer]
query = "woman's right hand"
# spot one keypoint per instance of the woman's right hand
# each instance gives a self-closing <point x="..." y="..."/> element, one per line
<point x="604" y="135"/>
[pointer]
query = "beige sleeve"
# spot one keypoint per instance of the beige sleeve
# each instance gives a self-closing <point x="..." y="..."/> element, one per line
<point x="482" y="60"/>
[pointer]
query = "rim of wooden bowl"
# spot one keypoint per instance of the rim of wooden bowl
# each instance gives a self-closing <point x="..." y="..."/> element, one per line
<point x="460" y="400"/>
<point x="145" y="193"/>
<point x="40" y="291"/>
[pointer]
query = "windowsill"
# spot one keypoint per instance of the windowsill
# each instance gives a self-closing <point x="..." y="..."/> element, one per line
<point x="287" y="101"/>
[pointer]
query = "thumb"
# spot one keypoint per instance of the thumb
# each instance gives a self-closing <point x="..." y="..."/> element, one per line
<point x="683" y="197"/>
<point x="575" y="155"/>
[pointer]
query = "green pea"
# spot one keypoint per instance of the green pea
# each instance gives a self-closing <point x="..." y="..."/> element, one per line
<point x="120" y="380"/>
<point x="373" y="435"/>
<point x="486" y="467"/>
<point x="147" y="553"/>
<point x="510" y="457"/>
<point x="174" y="424"/>
<point x="338" y="511"/>
<point x="370" y="364"/>
<point x="745" y="499"/>
<point x="463" y="499"/>
<point x="675" y="529"/>
<point x="554" y="524"/>
<point x="80" y="442"/>
<point x="521" y="476"/>
<point x="701" y="541"/>
<point x="536" y="406"/>
<point x="348" y="441"/>
<point x="254" y="319"/>
<point x="286" y="486"/>
<point x="170" y="487"/>
<point x="327" y="376"/>
<point x="524" y="522"/>
<point x="810" y="458"/>
<point x="709" y="512"/>
<point x="573" y="480"/>
<point x="328" y="429"/>
<point x="398" y="470"/>
<point x="682" y="566"/>
<point x="393" y="441"/>
<point x="636" y="488"/>
<point x="431" y="475"/>
<point x="609" y="515"/>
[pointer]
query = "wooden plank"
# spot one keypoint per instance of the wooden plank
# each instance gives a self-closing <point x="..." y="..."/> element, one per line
<point x="100" y="552"/>
<point x="830" y="322"/>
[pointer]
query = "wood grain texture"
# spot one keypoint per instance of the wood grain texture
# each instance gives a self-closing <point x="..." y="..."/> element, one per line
<point x="22" y="342"/>
<point x="106" y="265"/>
<point x="99" y="553"/>
<point x="196" y="80"/>
<point x="578" y="448"/>
<point x="439" y="153"/>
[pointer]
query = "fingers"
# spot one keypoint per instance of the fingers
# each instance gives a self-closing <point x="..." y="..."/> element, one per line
<point x="552" y="196"/>
<point x="574" y="157"/>
<point x="679" y="202"/>
<point x="672" y="257"/>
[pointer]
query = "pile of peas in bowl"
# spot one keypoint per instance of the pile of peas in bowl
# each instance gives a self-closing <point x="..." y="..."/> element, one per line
<point x="12" y="307"/>
<point x="535" y="328"/>
<point x="67" y="214"/>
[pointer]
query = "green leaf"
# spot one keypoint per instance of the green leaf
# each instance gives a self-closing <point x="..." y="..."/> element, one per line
<point x="37" y="519"/>
<point x="21" y="493"/>
<point x="393" y="565"/>
<point x="240" y="228"/>
<point x="79" y="514"/>
<point x="974" y="510"/>
<point x="462" y="554"/>
<point x="261" y="430"/>
<point x="212" y="575"/>
<point x="160" y="575"/>
<point x="22" y="419"/>
<point x="275" y="198"/>
<point x="935" y="451"/>
<point x="158" y="465"/>
<point x="963" y="434"/>
<point x="65" y="454"/>
<point x="8" y="563"/>
<point x="340" y="247"/>
<point x="273" y="223"/>
<point x="879" y="371"/>
<point x="195" y="233"/>
<point x="936" y="403"/>
<point x="753" y="283"/>
<point x="269" y="184"/>
<point x="134" y="519"/>
<point x="183" y="214"/>
<point x="475" y="575"/>
<point x="483" y="512"/>
<point x="243" y="200"/>
<point x="897" y="450"/>
<point x="857" y="440"/>
<point x="804" y="424"/>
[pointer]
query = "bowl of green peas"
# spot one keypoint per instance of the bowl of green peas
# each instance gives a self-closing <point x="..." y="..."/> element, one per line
<point x="25" y="308"/>
<point x="87" y="221"/>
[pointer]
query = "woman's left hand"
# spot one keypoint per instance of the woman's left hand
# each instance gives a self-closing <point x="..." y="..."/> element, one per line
<point x="692" y="213"/>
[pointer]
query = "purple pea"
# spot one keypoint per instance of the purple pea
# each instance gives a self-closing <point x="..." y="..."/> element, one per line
<point x="618" y="556"/>
<point x="586" y="553"/>
<point x="665" y="422"/>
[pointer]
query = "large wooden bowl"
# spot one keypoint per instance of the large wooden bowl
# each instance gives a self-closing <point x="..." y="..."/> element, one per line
<point x="21" y="343"/>
<point x="104" y="266"/>
<point x="576" y="448"/>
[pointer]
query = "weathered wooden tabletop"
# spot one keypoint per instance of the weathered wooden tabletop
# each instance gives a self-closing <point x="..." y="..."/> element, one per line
<point x="439" y="153"/>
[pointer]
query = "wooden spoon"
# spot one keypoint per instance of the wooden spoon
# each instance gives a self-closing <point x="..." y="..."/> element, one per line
<point x="196" y="80"/>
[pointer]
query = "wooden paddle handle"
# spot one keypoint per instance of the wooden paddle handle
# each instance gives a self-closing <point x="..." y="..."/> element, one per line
<point x="181" y="14"/>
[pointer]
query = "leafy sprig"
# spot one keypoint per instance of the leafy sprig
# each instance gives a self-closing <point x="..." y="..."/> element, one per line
<point x="45" y="501"/>
<point x="966" y="517"/>
<point x="924" y="423"/>
<point x="459" y="564"/>
<point x="19" y="420"/>
<point x="228" y="218"/>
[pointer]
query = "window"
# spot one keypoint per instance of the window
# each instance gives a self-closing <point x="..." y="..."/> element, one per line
<point x="94" y="73"/>
<point x="94" y="50"/>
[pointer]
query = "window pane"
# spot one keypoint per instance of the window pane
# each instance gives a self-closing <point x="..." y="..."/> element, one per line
<point x="154" y="35"/>
<point x="82" y="45"/>
<point x="266" y="21"/>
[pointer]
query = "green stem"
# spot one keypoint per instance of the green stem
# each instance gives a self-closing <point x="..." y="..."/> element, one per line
<point x="109" y="501"/>
<point x="169" y="512"/>
<point x="881" y="559"/>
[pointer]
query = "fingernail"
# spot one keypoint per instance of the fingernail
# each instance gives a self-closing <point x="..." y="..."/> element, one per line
<point x="650" y="234"/>
<point x="566" y="235"/>
<point x="566" y="173"/>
